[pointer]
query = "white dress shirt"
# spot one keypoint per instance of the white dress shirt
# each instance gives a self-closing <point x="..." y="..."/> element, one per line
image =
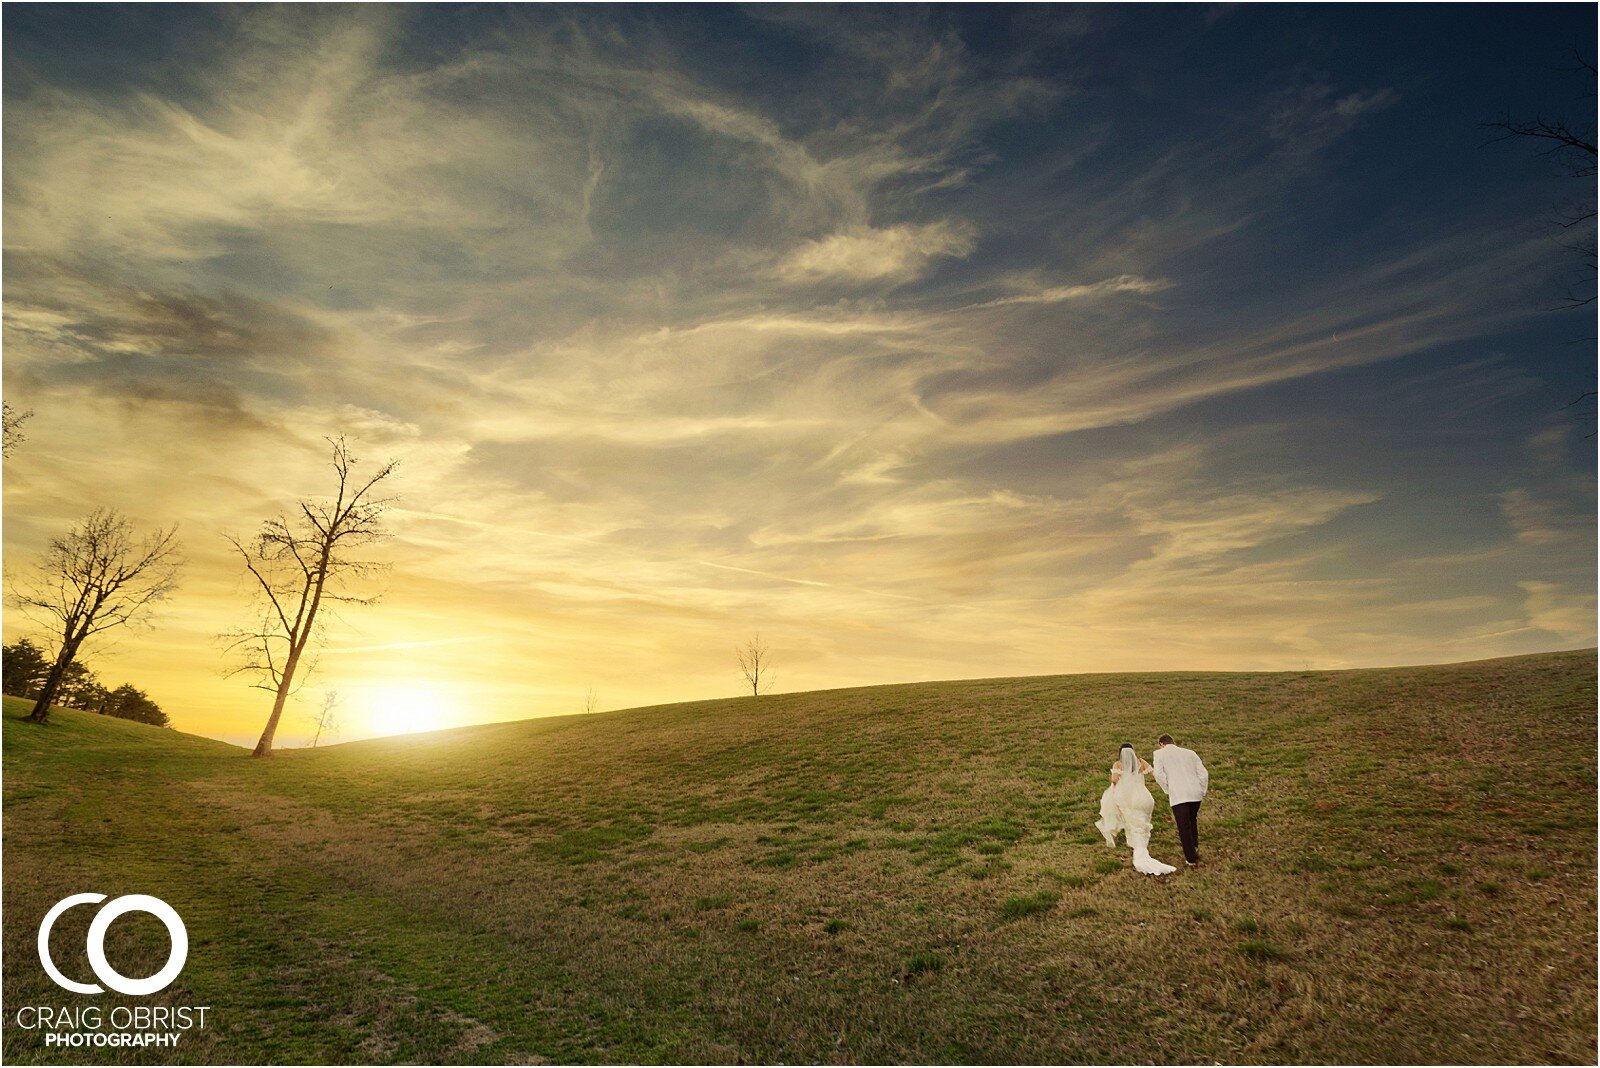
<point x="1181" y="774"/>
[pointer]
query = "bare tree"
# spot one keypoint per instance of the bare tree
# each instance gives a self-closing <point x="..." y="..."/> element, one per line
<point x="300" y="564"/>
<point x="327" y="719"/>
<point x="591" y="700"/>
<point x="11" y="421"/>
<point x="755" y="664"/>
<point x="96" y="577"/>
<point x="1571" y="147"/>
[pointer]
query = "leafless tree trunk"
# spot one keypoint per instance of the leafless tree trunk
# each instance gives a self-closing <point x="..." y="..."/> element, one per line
<point x="94" y="578"/>
<point x="327" y="720"/>
<point x="591" y="700"/>
<point x="755" y="664"/>
<point x="299" y="563"/>
<point x="11" y="422"/>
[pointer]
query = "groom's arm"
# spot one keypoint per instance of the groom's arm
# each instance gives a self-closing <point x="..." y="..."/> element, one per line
<point x="1161" y="773"/>
<point x="1205" y="776"/>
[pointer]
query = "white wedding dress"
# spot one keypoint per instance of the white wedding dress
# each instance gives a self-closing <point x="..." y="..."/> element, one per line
<point x="1126" y="806"/>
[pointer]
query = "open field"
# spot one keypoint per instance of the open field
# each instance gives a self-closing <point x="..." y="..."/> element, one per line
<point x="1400" y="866"/>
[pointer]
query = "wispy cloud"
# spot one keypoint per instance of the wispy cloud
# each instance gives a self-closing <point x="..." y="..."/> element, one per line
<point x="1540" y="520"/>
<point x="1126" y="283"/>
<point x="1566" y="613"/>
<point x="898" y="253"/>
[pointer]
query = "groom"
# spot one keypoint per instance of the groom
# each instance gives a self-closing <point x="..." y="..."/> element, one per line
<point x="1185" y="780"/>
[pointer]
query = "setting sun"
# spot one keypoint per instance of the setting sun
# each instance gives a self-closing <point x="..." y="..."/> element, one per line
<point x="402" y="709"/>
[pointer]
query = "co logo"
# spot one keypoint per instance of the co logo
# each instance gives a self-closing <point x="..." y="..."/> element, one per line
<point x="97" y="944"/>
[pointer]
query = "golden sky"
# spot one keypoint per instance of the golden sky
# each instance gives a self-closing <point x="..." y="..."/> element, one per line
<point x="871" y="331"/>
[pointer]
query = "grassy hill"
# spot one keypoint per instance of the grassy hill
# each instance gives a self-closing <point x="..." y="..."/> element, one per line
<point x="1400" y="867"/>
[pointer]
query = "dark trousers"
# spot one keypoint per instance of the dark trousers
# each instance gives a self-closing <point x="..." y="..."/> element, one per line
<point x="1187" y="816"/>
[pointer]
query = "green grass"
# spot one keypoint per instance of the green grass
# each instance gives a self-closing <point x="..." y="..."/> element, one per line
<point x="1020" y="905"/>
<point x="1394" y="872"/>
<point x="1258" y="949"/>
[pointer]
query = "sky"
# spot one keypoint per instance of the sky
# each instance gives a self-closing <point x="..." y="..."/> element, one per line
<point x="926" y="342"/>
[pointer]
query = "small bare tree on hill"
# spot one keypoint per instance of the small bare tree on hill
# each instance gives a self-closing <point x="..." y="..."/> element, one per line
<point x="755" y="664"/>
<point x="300" y="564"/>
<point x="96" y="577"/>
<point x="591" y="700"/>
<point x="326" y="720"/>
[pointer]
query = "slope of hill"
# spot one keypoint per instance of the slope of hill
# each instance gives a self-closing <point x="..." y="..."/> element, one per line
<point x="1400" y="867"/>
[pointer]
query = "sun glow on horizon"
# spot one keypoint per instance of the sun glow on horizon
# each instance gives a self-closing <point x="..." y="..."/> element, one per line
<point x="404" y="709"/>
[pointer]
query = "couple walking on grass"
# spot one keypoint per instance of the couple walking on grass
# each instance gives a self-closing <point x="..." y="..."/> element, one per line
<point x="1126" y="805"/>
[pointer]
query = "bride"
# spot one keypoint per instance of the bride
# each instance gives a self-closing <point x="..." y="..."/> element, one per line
<point x="1126" y="806"/>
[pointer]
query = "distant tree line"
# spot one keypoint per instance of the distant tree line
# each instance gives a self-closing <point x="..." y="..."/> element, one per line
<point x="24" y="668"/>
